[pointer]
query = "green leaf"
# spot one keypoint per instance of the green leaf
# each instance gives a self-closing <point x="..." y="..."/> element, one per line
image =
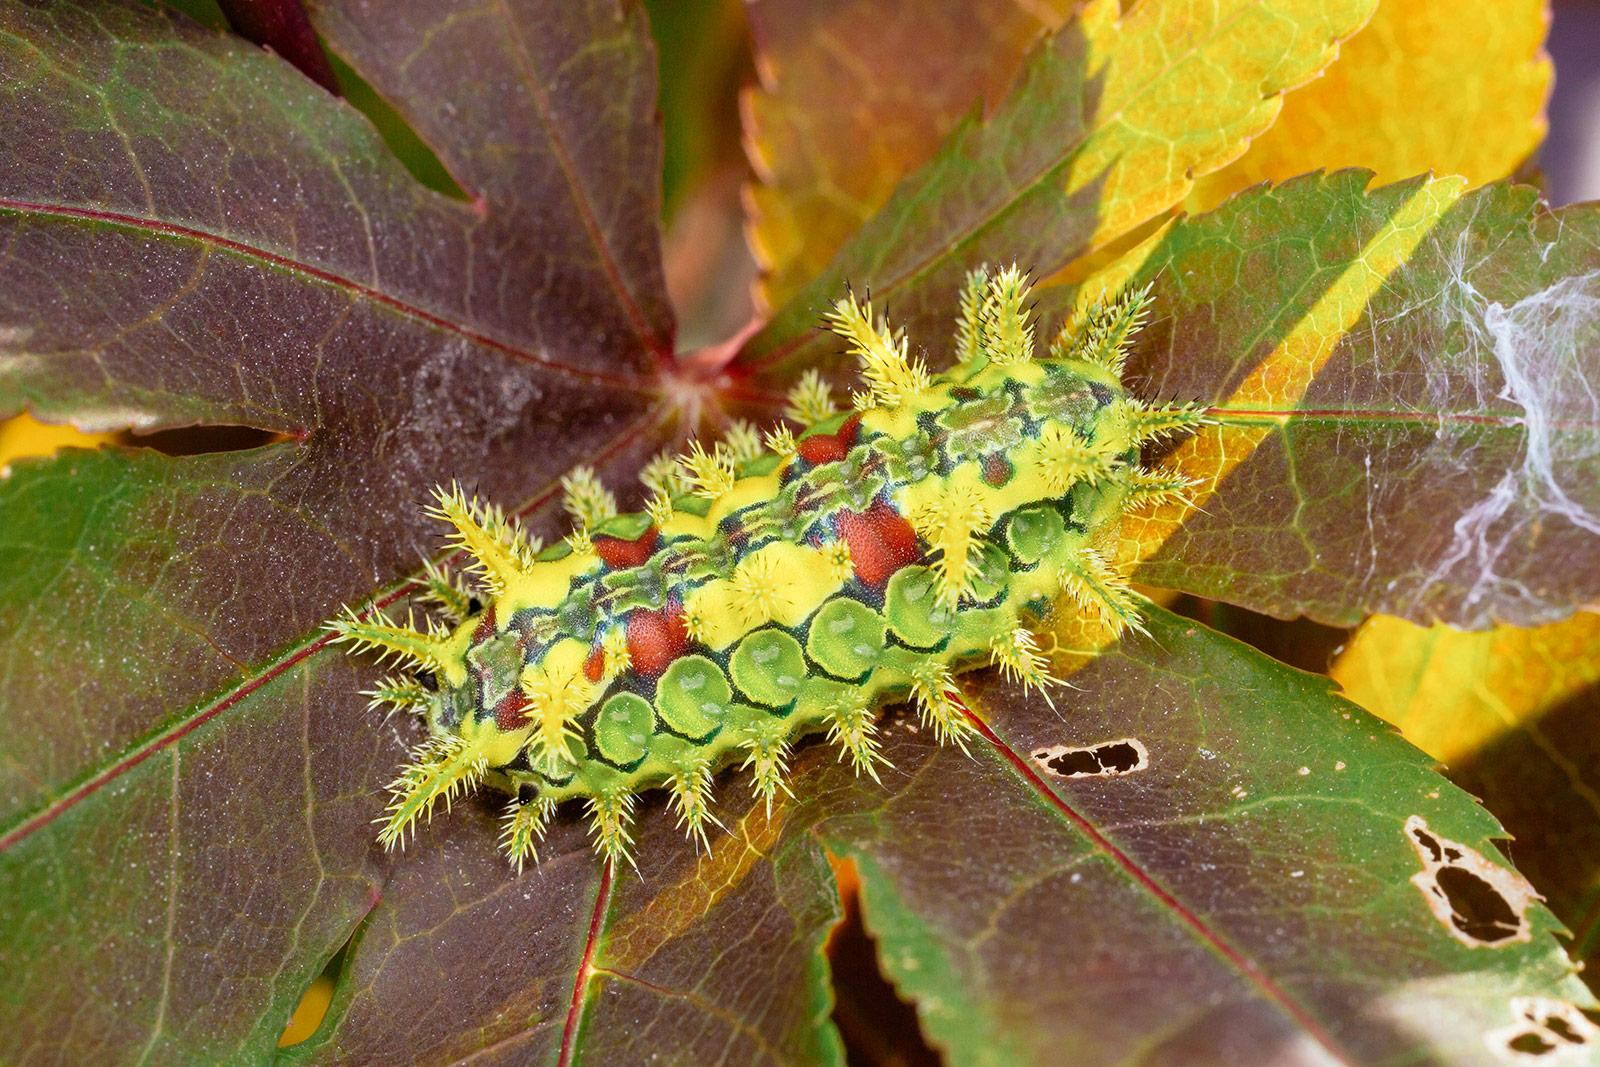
<point x="1511" y="713"/>
<point x="1248" y="888"/>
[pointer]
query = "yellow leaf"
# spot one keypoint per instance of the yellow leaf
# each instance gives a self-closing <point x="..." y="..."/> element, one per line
<point x="1427" y="85"/>
<point x="1453" y="693"/>
<point x="26" y="436"/>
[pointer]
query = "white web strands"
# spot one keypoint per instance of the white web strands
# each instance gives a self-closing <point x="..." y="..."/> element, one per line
<point x="1542" y="355"/>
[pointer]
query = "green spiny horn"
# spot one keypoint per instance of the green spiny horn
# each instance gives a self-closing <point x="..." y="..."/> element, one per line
<point x="1147" y="422"/>
<point x="523" y="824"/>
<point x="445" y="591"/>
<point x="1101" y="335"/>
<point x="440" y="767"/>
<point x="494" y="544"/>
<point x="1098" y="589"/>
<point x="425" y="650"/>
<point x="399" y="694"/>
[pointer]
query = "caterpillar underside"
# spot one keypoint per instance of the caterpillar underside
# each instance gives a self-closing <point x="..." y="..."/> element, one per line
<point x="780" y="587"/>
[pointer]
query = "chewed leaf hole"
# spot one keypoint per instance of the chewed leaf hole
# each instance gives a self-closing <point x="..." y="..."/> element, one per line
<point x="1546" y="1031"/>
<point x="200" y="440"/>
<point x="1481" y="903"/>
<point x="1479" y="909"/>
<point x="1108" y="759"/>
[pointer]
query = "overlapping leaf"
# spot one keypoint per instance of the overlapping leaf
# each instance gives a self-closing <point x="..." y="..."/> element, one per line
<point x="1242" y="894"/>
<point x="853" y="96"/>
<point x="1403" y="382"/>
<point x="1110" y="120"/>
<point x="1474" y="92"/>
<point x="195" y="233"/>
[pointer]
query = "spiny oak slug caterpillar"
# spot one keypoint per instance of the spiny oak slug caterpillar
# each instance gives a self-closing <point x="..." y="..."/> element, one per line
<point x="788" y="586"/>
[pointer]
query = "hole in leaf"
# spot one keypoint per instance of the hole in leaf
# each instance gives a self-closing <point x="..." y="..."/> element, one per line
<point x="409" y="148"/>
<point x="1544" y="1025"/>
<point x="1429" y="842"/>
<point x="1481" y="903"/>
<point x="1561" y="1029"/>
<point x="877" y="1026"/>
<point x="200" y="440"/>
<point x="1530" y="1044"/>
<point x="1108" y="759"/>
<point x="1480" y="911"/>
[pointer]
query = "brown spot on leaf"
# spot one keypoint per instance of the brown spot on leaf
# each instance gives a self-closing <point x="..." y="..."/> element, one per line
<point x="1481" y="903"/>
<point x="1108" y="759"/>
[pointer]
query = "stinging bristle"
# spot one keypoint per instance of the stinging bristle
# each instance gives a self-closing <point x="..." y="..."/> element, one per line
<point x="810" y="401"/>
<point x="757" y="589"/>
<point x="1064" y="460"/>
<point x="1151" y="488"/>
<point x="609" y="816"/>
<point x="742" y="443"/>
<point x="969" y="321"/>
<point x="496" y="545"/>
<point x="400" y="694"/>
<point x="585" y="499"/>
<point x="445" y="591"/>
<point x="710" y="472"/>
<point x="558" y="694"/>
<point x="1017" y="655"/>
<point x="523" y="824"/>
<point x="690" y="787"/>
<point x="1095" y="587"/>
<point x="950" y="523"/>
<point x="1148" y="422"/>
<point x="1008" y="333"/>
<point x="781" y="440"/>
<point x="423" y="649"/>
<point x="891" y="376"/>
<point x="937" y="701"/>
<point x="1100" y="334"/>
<point x="664" y="476"/>
<point x="440" y="767"/>
<point x="767" y="753"/>
<point x="853" y="726"/>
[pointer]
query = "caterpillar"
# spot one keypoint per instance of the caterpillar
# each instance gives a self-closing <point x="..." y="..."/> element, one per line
<point x="784" y="585"/>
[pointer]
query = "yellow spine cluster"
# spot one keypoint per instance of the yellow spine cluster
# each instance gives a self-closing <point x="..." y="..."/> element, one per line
<point x="891" y="376"/>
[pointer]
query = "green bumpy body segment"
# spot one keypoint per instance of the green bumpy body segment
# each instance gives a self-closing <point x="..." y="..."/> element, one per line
<point x="773" y="593"/>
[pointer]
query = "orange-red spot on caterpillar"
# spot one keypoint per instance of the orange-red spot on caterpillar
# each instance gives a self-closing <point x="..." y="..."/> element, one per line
<point x="595" y="666"/>
<point x="656" y="638"/>
<point x="618" y="554"/>
<point x="828" y="447"/>
<point x="512" y="711"/>
<point x="881" y="542"/>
